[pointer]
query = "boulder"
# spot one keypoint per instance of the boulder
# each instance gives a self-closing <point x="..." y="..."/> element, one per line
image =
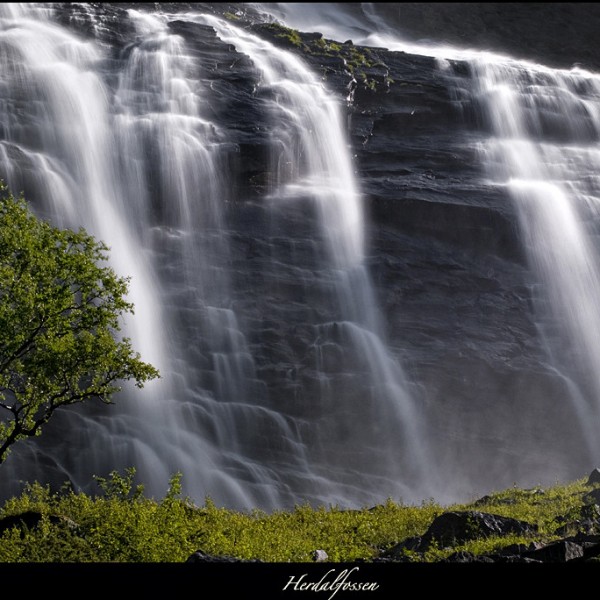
<point x="594" y="477"/>
<point x="458" y="527"/>
<point x="515" y="558"/>
<point x="26" y="520"/>
<point x="592" y="497"/>
<point x="561" y="551"/>
<point x="31" y="519"/>
<point x="519" y="548"/>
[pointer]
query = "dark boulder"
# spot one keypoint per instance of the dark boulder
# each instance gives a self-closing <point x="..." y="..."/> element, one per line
<point x="592" y="497"/>
<point x="519" y="548"/>
<point x="561" y="551"/>
<point x="31" y="519"/>
<point x="458" y="527"/>
<point x="589" y="543"/>
<point x="27" y="520"/>
<point x="513" y="558"/>
<point x="594" y="477"/>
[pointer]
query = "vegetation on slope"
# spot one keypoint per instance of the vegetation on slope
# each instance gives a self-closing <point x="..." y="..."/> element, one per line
<point x="120" y="524"/>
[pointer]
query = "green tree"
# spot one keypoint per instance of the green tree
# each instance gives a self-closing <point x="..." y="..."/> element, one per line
<point x="60" y="310"/>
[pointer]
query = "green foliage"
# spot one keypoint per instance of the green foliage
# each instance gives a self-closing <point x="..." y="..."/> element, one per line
<point x="60" y="312"/>
<point x="120" y="487"/>
<point x="121" y="525"/>
<point x="286" y="34"/>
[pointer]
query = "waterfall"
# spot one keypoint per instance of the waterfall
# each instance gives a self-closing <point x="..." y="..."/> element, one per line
<point x="314" y="170"/>
<point x="217" y="168"/>
<point x="128" y="165"/>
<point x="541" y="133"/>
<point x="130" y="145"/>
<point x="546" y="126"/>
<point x="57" y="145"/>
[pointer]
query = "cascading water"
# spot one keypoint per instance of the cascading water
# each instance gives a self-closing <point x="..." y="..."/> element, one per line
<point x="314" y="169"/>
<point x="141" y="160"/>
<point x="60" y="152"/>
<point x="106" y="167"/>
<point x="216" y="167"/>
<point x="544" y="126"/>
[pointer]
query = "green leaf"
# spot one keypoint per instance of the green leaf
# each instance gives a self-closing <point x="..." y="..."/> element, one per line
<point x="61" y="307"/>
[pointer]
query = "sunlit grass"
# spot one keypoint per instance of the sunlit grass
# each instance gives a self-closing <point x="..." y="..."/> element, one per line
<point x="122" y="525"/>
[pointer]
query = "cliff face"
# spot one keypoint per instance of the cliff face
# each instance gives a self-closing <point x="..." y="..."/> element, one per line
<point x="444" y="249"/>
<point x="450" y="268"/>
<point x="445" y="252"/>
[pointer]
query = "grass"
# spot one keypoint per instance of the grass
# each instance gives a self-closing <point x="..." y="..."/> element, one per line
<point x="120" y="524"/>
